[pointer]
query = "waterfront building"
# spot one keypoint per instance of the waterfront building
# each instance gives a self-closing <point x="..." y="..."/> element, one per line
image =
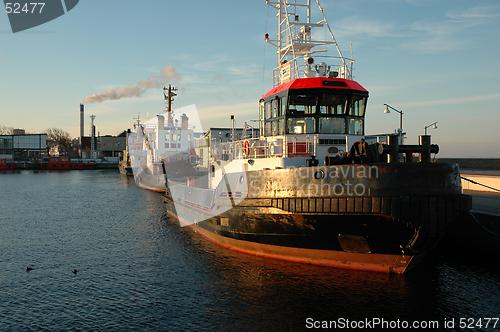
<point x="23" y="147"/>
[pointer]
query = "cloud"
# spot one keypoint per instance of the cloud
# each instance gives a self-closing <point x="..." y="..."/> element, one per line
<point x="448" y="33"/>
<point x="437" y="37"/>
<point x="424" y="36"/>
<point x="435" y="28"/>
<point x="246" y="71"/>
<point x="355" y="26"/>
<point x="475" y="13"/>
<point x="451" y="101"/>
<point x="433" y="37"/>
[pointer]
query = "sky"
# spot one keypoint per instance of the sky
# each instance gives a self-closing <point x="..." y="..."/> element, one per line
<point x="434" y="60"/>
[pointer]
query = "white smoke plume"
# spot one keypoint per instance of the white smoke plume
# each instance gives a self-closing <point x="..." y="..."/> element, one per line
<point x="136" y="90"/>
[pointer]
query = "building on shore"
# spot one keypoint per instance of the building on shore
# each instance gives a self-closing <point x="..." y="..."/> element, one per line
<point x="23" y="147"/>
<point x="106" y="146"/>
<point x="112" y="146"/>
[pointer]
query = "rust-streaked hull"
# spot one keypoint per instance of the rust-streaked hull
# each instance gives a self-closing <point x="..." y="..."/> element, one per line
<point x="398" y="264"/>
<point x="389" y="230"/>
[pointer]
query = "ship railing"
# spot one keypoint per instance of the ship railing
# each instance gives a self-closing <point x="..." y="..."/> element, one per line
<point x="306" y="146"/>
<point x="323" y="66"/>
<point x="257" y="148"/>
<point x="296" y="147"/>
<point x="235" y="150"/>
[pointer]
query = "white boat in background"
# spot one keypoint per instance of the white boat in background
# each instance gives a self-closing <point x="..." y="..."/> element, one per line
<point x="162" y="137"/>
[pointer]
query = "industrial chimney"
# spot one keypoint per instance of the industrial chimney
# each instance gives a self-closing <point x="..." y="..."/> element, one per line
<point x="92" y="136"/>
<point x="82" y="122"/>
<point x="82" y="115"/>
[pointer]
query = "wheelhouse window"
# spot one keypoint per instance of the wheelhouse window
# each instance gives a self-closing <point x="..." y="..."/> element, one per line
<point x="331" y="104"/>
<point x="275" y="108"/>
<point x="278" y="127"/>
<point x="261" y="116"/>
<point x="302" y="125"/>
<point x="355" y="127"/>
<point x="268" y="110"/>
<point x="331" y="125"/>
<point x="303" y="104"/>
<point x="310" y="111"/>
<point x="283" y="104"/>
<point x="268" y="129"/>
<point x="358" y="106"/>
<point x="273" y="121"/>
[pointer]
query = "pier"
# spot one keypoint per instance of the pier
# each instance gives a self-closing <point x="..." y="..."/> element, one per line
<point x="481" y="180"/>
<point x="484" y="187"/>
<point x="481" y="232"/>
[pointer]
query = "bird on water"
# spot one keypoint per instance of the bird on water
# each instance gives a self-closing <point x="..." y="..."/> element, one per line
<point x="29" y="268"/>
<point x="75" y="271"/>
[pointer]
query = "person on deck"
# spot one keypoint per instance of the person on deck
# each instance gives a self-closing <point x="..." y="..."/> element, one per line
<point x="359" y="151"/>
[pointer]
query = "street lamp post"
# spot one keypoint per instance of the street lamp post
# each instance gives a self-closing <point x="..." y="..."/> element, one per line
<point x="433" y="125"/>
<point x="387" y="110"/>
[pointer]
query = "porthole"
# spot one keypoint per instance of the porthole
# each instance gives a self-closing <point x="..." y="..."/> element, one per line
<point x="318" y="175"/>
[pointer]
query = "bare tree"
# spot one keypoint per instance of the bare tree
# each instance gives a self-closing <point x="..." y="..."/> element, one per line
<point x="59" y="138"/>
<point x="4" y="130"/>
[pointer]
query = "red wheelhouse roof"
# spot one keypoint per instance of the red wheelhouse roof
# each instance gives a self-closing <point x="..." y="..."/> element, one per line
<point x="317" y="83"/>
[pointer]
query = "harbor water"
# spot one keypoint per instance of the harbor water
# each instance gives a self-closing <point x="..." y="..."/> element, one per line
<point x="137" y="270"/>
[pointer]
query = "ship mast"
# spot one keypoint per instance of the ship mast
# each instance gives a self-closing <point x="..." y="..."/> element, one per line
<point x="169" y="94"/>
<point x="137" y="121"/>
<point x="299" y="54"/>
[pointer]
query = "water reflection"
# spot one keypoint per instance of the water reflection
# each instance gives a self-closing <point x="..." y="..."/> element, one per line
<point x="139" y="270"/>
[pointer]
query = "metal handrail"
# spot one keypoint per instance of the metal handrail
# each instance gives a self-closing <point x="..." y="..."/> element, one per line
<point x="345" y="63"/>
<point x="262" y="148"/>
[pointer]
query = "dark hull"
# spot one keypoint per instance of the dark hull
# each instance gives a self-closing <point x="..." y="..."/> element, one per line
<point x="388" y="231"/>
<point x="332" y="258"/>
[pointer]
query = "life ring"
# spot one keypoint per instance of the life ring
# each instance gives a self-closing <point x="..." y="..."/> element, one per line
<point x="246" y="148"/>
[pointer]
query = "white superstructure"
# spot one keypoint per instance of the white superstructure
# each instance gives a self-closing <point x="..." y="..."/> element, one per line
<point x="161" y="137"/>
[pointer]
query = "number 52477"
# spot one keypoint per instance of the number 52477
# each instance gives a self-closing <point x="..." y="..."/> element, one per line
<point x="26" y="8"/>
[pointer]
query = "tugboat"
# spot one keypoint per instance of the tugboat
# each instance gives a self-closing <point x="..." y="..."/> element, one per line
<point x="155" y="140"/>
<point x="313" y="188"/>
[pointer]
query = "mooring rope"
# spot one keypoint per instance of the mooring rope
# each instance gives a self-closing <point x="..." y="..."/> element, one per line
<point x="476" y="220"/>
<point x="479" y="184"/>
